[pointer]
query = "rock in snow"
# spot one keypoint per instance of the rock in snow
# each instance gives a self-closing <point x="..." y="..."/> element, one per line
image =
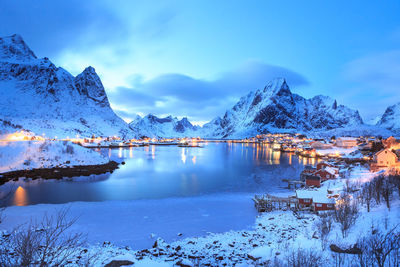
<point x="42" y="98"/>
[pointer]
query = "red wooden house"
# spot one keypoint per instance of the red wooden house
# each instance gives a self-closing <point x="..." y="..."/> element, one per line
<point x="325" y="174"/>
<point x="321" y="202"/>
<point x="304" y="197"/>
<point x="313" y="180"/>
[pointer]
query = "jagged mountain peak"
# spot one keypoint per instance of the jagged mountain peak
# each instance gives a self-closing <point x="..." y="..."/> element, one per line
<point x="276" y="108"/>
<point x="153" y="126"/>
<point x="88" y="83"/>
<point x="47" y="99"/>
<point x="391" y="118"/>
<point x="14" y="48"/>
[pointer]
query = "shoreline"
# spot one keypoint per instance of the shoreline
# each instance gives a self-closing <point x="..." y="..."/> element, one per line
<point x="60" y="172"/>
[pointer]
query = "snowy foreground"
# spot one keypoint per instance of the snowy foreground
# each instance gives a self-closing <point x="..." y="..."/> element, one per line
<point x="26" y="155"/>
<point x="184" y="224"/>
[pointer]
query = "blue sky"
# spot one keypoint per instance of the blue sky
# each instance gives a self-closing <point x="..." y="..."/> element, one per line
<point x="196" y="58"/>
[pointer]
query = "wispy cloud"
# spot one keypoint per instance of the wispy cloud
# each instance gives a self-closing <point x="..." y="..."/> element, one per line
<point x="373" y="81"/>
<point x="198" y="99"/>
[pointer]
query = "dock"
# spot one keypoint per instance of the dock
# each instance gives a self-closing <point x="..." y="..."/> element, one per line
<point x="267" y="203"/>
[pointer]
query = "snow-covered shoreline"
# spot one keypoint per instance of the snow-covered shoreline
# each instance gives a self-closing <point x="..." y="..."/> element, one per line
<point x="202" y="230"/>
<point x="28" y="155"/>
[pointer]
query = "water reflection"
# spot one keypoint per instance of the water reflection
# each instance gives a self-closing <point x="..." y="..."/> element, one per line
<point x="130" y="152"/>
<point x="174" y="172"/>
<point x="183" y="156"/>
<point x="20" y="197"/>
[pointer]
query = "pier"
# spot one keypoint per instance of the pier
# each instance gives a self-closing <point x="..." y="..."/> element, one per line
<point x="267" y="203"/>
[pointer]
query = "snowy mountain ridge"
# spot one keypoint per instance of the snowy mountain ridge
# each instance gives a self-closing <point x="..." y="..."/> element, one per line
<point x="168" y="127"/>
<point x="38" y="96"/>
<point x="275" y="108"/>
<point x="391" y="119"/>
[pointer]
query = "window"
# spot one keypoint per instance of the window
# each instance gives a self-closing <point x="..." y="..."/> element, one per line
<point x="319" y="205"/>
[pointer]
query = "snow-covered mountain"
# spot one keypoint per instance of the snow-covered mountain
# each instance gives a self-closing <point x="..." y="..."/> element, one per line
<point x="36" y="95"/>
<point x="276" y="109"/>
<point x="154" y="127"/>
<point x="391" y="119"/>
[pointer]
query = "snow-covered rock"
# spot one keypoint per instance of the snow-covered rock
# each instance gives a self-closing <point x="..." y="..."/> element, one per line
<point x="275" y="109"/>
<point x="391" y="118"/>
<point x="154" y="127"/>
<point x="38" y="96"/>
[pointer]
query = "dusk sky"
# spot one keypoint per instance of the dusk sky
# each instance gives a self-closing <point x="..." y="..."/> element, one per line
<point x="196" y="58"/>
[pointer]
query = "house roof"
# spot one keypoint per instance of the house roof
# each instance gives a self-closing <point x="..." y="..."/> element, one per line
<point x="320" y="198"/>
<point x="381" y="151"/>
<point x="303" y="193"/>
<point x="331" y="170"/>
<point x="317" y="196"/>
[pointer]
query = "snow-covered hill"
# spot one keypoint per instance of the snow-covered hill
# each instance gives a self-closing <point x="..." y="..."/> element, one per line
<point x="154" y="127"/>
<point x="391" y="119"/>
<point x="38" y="96"/>
<point x="276" y="109"/>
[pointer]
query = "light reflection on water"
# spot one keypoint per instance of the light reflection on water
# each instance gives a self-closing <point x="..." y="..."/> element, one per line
<point x="169" y="171"/>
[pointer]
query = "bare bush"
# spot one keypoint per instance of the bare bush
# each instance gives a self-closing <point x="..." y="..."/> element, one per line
<point x="346" y="213"/>
<point x="380" y="248"/>
<point x="47" y="243"/>
<point x="387" y="190"/>
<point x="324" y="226"/>
<point x="69" y="149"/>
<point x="367" y="195"/>
<point x="303" y="257"/>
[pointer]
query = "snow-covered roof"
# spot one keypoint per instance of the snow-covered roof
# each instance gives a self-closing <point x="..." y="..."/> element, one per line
<point x="322" y="198"/>
<point x="331" y="170"/>
<point x="317" y="196"/>
<point x="303" y="193"/>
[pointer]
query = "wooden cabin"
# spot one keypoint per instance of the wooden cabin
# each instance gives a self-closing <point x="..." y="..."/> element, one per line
<point x="321" y="203"/>
<point x="313" y="180"/>
<point x="304" y="198"/>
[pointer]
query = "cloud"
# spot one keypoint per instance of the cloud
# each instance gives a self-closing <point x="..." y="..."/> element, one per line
<point x="198" y="99"/>
<point x="51" y="26"/>
<point x="378" y="72"/>
<point x="373" y="81"/>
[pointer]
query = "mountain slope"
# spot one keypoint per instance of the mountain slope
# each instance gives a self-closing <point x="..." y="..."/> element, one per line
<point x="276" y="109"/>
<point x="154" y="127"/>
<point x="38" y="96"/>
<point x="391" y="118"/>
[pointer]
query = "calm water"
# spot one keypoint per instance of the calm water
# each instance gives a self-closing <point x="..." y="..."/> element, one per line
<point x="156" y="172"/>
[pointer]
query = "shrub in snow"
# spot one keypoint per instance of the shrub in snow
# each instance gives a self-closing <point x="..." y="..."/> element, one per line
<point x="303" y="257"/>
<point x="45" y="243"/>
<point x="380" y="249"/>
<point x="324" y="227"/>
<point x="346" y="213"/>
<point x="69" y="149"/>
